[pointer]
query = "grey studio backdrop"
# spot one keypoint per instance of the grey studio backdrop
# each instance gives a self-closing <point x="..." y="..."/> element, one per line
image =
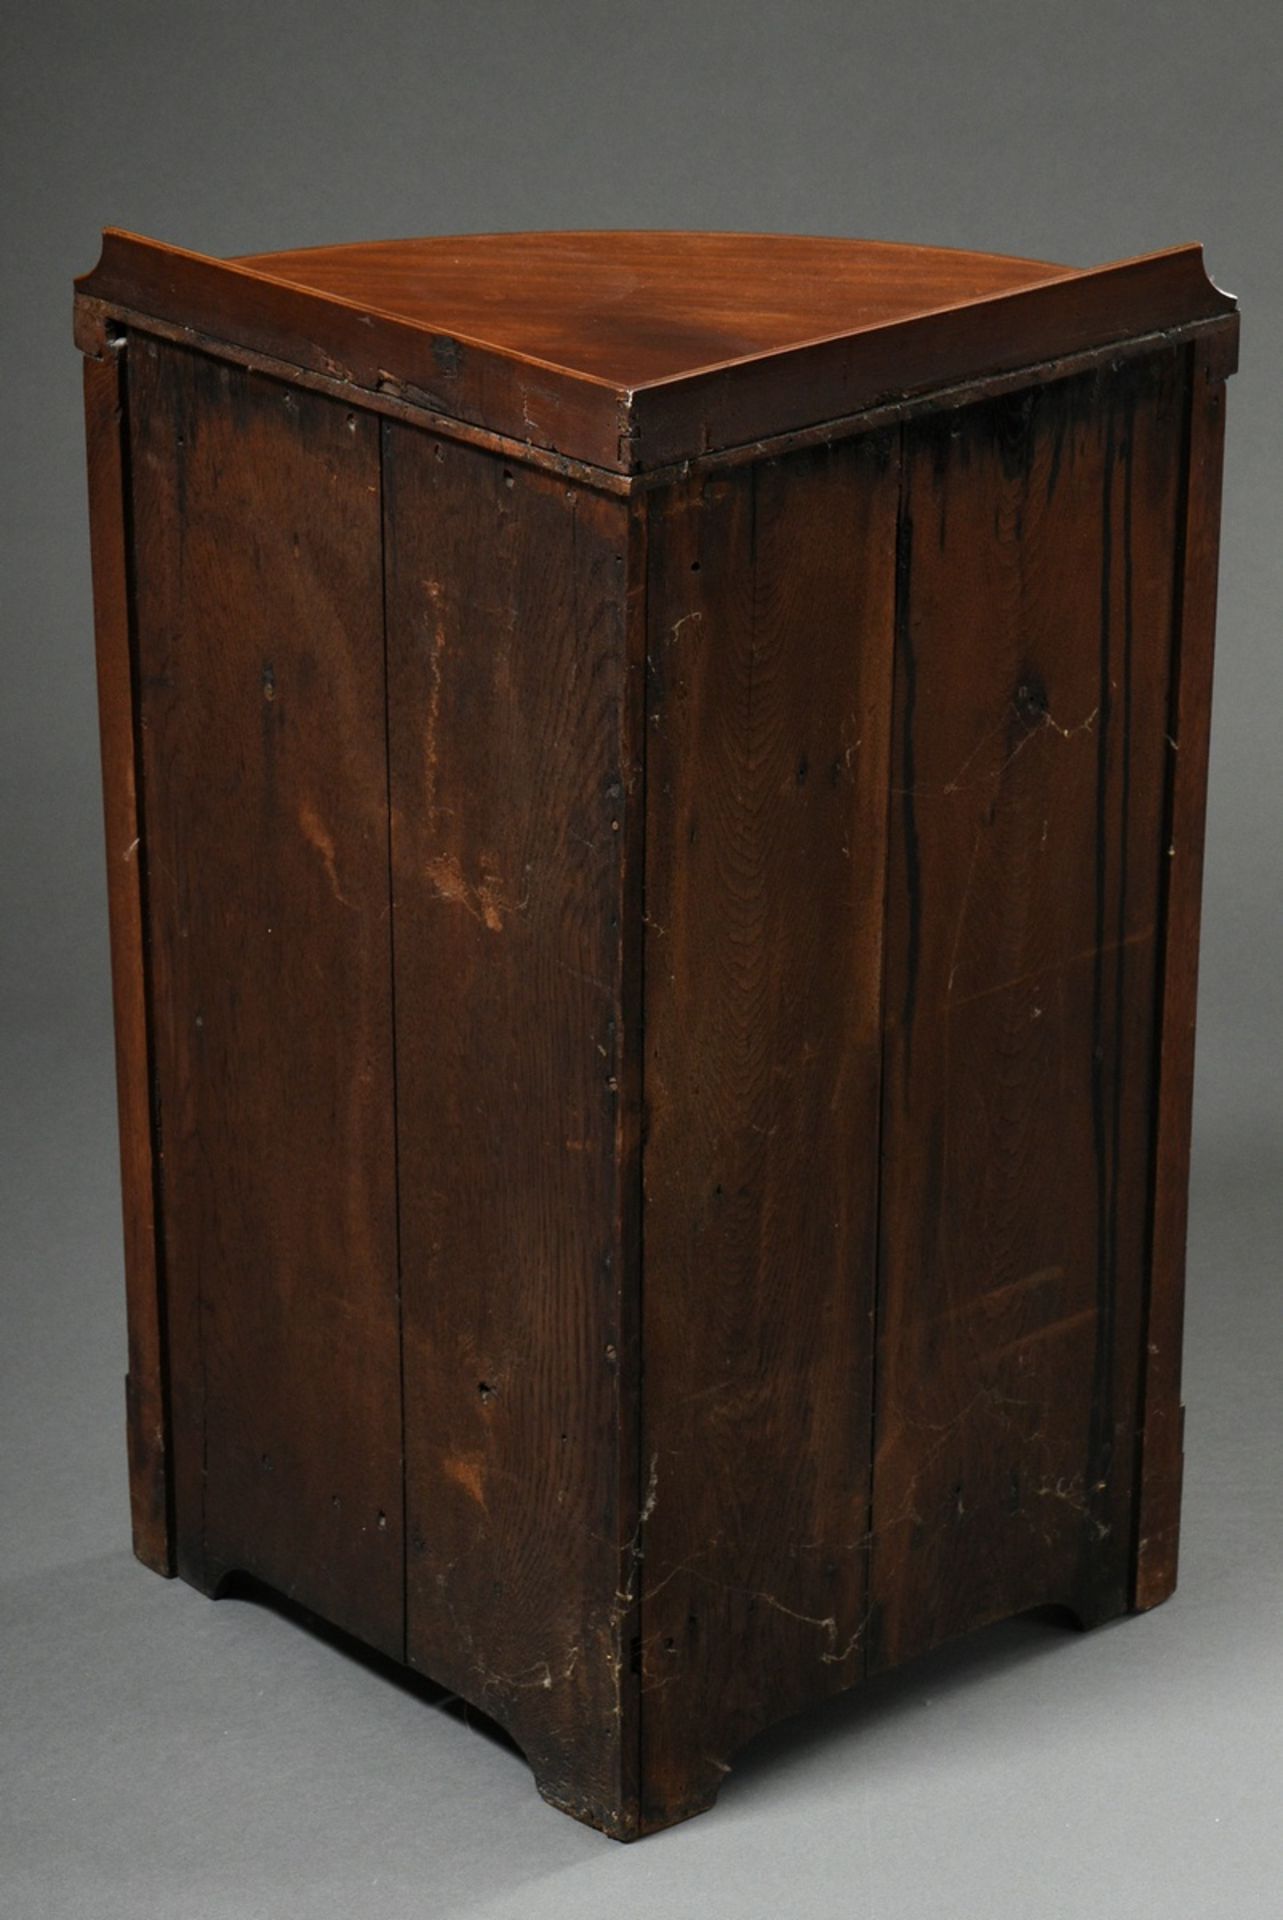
<point x="162" y="1755"/>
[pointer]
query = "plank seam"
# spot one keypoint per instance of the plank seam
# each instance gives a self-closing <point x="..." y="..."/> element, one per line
<point x="120" y="348"/>
<point x="384" y="524"/>
<point x="1176" y="656"/>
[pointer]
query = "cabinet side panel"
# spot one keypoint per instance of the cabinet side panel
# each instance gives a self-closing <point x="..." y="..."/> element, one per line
<point x="146" y="1392"/>
<point x="260" y="659"/>
<point x="515" y="812"/>
<point x="1158" y="1526"/>
<point x="1034" y="635"/>
<point x="770" y="621"/>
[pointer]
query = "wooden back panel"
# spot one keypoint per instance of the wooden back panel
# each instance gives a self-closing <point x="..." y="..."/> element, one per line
<point x="264" y="794"/>
<point x="1039" y="549"/>
<point x="770" y="618"/>
<point x="516" y="809"/>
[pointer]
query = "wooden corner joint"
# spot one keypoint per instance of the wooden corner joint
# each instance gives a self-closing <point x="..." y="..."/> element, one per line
<point x="96" y="329"/>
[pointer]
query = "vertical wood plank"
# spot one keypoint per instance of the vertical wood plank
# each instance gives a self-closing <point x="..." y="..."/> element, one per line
<point x="1033" y="646"/>
<point x="146" y="1388"/>
<point x="1161" y="1448"/>
<point x="515" y="702"/>
<point x="770" y="633"/>
<point x="261" y="678"/>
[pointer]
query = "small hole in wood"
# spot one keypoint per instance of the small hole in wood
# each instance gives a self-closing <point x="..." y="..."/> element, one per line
<point x="383" y="1521"/>
<point x="485" y="1390"/>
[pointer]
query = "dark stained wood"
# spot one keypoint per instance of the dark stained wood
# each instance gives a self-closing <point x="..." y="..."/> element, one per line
<point x="1159" y="1493"/>
<point x="670" y="346"/>
<point x="94" y="316"/>
<point x="1034" y="632"/>
<point x="146" y="1387"/>
<point x="770" y="622"/>
<point x="654" y="868"/>
<point x="95" y="319"/>
<point x="260" y="661"/>
<point x="514" y="717"/>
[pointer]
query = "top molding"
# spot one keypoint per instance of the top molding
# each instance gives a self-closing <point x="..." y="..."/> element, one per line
<point x="637" y="351"/>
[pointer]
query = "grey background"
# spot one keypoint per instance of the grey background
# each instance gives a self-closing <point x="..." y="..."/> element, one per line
<point x="159" y="1755"/>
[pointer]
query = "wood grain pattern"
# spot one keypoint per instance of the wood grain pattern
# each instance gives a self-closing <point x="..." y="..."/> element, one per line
<point x="146" y="1387"/>
<point x="260" y="659"/>
<point x="770" y="635"/>
<point x="710" y="341"/>
<point x="1034" y="629"/>
<point x="750" y="400"/>
<point x="1160" y="1466"/>
<point x="630" y="308"/>
<point x="514" y="708"/>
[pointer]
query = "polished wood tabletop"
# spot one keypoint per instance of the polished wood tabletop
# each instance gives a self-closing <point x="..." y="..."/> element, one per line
<point x="633" y="307"/>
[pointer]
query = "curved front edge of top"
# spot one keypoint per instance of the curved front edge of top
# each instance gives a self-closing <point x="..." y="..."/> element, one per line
<point x="560" y="413"/>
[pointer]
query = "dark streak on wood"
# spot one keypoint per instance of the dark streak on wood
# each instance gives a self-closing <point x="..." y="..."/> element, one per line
<point x="906" y="671"/>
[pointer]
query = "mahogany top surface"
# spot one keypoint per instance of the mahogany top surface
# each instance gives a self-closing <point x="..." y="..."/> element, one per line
<point x="631" y="352"/>
<point x="634" y="307"/>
